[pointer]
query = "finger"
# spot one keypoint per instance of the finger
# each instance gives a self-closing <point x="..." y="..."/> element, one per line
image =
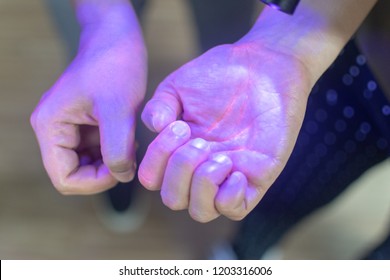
<point x="230" y="200"/>
<point x="83" y="180"/>
<point x="58" y="143"/>
<point x="117" y="133"/>
<point x="253" y="195"/>
<point x="205" y="184"/>
<point x="260" y="171"/>
<point x="175" y="189"/>
<point x="152" y="168"/>
<point x="162" y="109"/>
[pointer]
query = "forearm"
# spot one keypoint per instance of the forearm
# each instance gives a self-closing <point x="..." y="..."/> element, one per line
<point x="104" y="23"/>
<point x="315" y="34"/>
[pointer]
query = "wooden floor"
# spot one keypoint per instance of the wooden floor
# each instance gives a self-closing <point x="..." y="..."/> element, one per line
<point x="38" y="223"/>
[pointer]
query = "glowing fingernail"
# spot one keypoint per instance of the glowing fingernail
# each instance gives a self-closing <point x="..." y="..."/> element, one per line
<point x="179" y="128"/>
<point x="220" y="158"/>
<point x="199" y="143"/>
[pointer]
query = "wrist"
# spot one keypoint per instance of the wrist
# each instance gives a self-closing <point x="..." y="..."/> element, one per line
<point x="107" y="24"/>
<point x="295" y="38"/>
<point x="314" y="35"/>
<point x="95" y="12"/>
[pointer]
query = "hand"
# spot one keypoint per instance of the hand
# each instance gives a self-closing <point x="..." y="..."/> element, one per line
<point x="241" y="108"/>
<point x="85" y="123"/>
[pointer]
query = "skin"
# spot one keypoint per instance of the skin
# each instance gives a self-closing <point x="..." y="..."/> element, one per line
<point x="85" y="122"/>
<point x="226" y="121"/>
<point x="247" y="102"/>
<point x="253" y="139"/>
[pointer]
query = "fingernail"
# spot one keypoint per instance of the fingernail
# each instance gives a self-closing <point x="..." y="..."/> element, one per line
<point x="156" y="123"/>
<point x="179" y="128"/>
<point x="220" y="158"/>
<point x="199" y="143"/>
<point x="162" y="118"/>
<point x="235" y="178"/>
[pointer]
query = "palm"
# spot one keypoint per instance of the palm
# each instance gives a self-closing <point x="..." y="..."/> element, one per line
<point x="248" y="103"/>
<point x="243" y="102"/>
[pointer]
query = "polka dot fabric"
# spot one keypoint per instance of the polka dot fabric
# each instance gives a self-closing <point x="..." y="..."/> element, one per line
<point x="345" y="132"/>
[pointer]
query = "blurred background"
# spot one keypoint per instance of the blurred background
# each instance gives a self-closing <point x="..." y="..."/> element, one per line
<point x="38" y="223"/>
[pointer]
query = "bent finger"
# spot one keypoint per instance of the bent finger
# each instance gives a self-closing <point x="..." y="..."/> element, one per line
<point x="152" y="168"/>
<point x="175" y="189"/>
<point x="117" y="133"/>
<point x="230" y="200"/>
<point x="67" y="173"/>
<point x="204" y="188"/>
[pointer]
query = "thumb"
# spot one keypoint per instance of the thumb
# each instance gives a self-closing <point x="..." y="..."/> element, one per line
<point x="117" y="133"/>
<point x="161" y="110"/>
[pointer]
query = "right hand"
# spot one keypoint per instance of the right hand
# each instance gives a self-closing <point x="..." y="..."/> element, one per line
<point x="85" y="124"/>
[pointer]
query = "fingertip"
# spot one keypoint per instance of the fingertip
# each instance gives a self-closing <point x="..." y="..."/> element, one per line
<point x="163" y="118"/>
<point x="201" y="216"/>
<point x="147" y="116"/>
<point x="121" y="167"/>
<point x="153" y="165"/>
<point x="231" y="195"/>
<point x="124" y="177"/>
<point x="237" y="177"/>
<point x="145" y="181"/>
<point x="180" y="129"/>
<point x="222" y="159"/>
<point x="158" y="114"/>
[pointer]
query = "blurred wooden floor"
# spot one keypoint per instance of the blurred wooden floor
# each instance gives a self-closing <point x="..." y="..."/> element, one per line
<point x="38" y="223"/>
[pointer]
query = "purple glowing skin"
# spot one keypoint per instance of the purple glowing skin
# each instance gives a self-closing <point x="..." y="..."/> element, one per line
<point x="159" y="151"/>
<point x="85" y="123"/>
<point x="241" y="107"/>
<point x="206" y="182"/>
<point x="238" y="99"/>
<point x="175" y="188"/>
<point x="247" y="100"/>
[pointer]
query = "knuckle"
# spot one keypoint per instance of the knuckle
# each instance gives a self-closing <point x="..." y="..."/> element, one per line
<point x="236" y="216"/>
<point x="200" y="216"/>
<point x="33" y="119"/>
<point x="62" y="187"/>
<point x="223" y="208"/>
<point x="146" y="181"/>
<point x="157" y="147"/>
<point x="181" y="159"/>
<point x="119" y="165"/>
<point x="233" y="213"/>
<point x="64" y="192"/>
<point x="200" y="178"/>
<point x="41" y="113"/>
<point x="36" y="118"/>
<point x="173" y="203"/>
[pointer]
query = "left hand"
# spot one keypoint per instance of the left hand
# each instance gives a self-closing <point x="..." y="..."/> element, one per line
<point x="241" y="107"/>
